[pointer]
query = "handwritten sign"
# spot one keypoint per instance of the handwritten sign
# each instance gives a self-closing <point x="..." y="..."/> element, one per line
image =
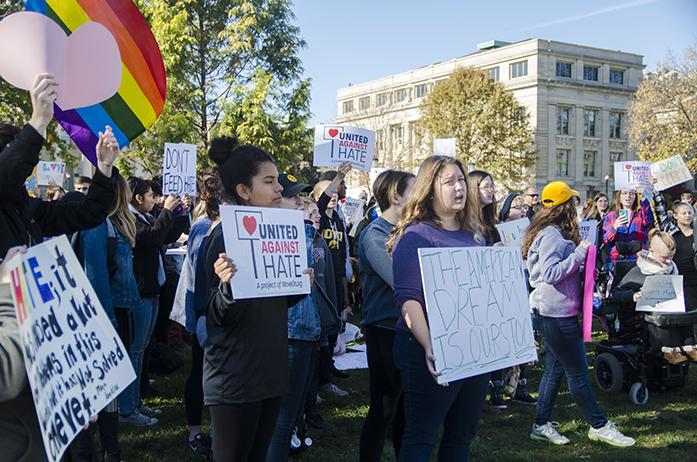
<point x="31" y="184"/>
<point x="74" y="358"/>
<point x="588" y="291"/>
<point x="662" y="293"/>
<point x="629" y="175"/>
<point x="340" y="143"/>
<point x="179" y="169"/>
<point x="445" y="147"/>
<point x="477" y="305"/>
<point x="589" y="231"/>
<point x="269" y="249"/>
<point x="511" y="232"/>
<point x="670" y="172"/>
<point x="50" y="173"/>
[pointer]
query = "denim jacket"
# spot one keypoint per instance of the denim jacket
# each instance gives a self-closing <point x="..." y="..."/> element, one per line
<point x="303" y="317"/>
<point x="124" y="289"/>
<point x="94" y="251"/>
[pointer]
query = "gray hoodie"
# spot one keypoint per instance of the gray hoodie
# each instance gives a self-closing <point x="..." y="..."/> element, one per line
<point x="554" y="264"/>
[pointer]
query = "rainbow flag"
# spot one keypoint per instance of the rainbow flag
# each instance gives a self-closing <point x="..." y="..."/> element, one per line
<point x="141" y="96"/>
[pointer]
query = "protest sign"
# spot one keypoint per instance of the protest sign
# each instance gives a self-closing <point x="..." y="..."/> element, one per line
<point x="588" y="291"/>
<point x="352" y="209"/>
<point x="31" y="184"/>
<point x="670" y="172"/>
<point x="629" y="175"/>
<point x="477" y="304"/>
<point x="74" y="358"/>
<point x="662" y="293"/>
<point x="445" y="147"/>
<point x="335" y="144"/>
<point x="589" y="231"/>
<point x="179" y="169"/>
<point x="511" y="232"/>
<point x="269" y="249"/>
<point x="50" y="173"/>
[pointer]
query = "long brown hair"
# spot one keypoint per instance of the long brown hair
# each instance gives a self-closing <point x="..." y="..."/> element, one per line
<point x="482" y="219"/>
<point x="563" y="216"/>
<point x="419" y="206"/>
<point x="595" y="213"/>
<point x="121" y="217"/>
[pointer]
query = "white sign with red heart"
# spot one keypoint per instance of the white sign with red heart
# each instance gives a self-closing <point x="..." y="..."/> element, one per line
<point x="86" y="64"/>
<point x="268" y="248"/>
<point x="629" y="175"/>
<point x="335" y="144"/>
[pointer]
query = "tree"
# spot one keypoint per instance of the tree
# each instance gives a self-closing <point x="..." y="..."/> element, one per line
<point x="663" y="115"/>
<point x="492" y="129"/>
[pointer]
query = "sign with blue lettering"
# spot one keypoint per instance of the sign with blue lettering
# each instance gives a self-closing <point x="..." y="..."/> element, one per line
<point x="477" y="305"/>
<point x="335" y="144"/>
<point x="74" y="358"/>
<point x="269" y="250"/>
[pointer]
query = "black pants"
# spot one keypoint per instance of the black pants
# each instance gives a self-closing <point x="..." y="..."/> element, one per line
<point x="243" y="431"/>
<point x="386" y="399"/>
<point x="193" y="392"/>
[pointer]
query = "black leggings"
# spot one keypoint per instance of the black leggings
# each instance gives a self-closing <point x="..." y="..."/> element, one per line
<point x="243" y="431"/>
<point x="193" y="392"/>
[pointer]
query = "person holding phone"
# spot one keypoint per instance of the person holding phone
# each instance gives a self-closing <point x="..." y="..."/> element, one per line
<point x="629" y="220"/>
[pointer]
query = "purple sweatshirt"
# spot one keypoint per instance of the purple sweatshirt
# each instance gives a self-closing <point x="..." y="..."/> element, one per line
<point x="405" y="260"/>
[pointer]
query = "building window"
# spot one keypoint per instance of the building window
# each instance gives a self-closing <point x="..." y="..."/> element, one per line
<point x="617" y="76"/>
<point x="563" y="69"/>
<point x="589" y="162"/>
<point x="364" y="103"/>
<point x="348" y="106"/>
<point x="614" y="157"/>
<point x="590" y="73"/>
<point x="397" y="135"/>
<point x="494" y="73"/>
<point x="381" y="99"/>
<point x="615" y="125"/>
<point x="415" y="133"/>
<point x="519" y="69"/>
<point x="421" y="90"/>
<point x="563" y="117"/>
<point x="563" y="162"/>
<point x="380" y="140"/>
<point x="400" y="95"/>
<point x="589" y="119"/>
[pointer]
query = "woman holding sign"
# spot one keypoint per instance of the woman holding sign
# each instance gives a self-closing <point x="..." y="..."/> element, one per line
<point x="245" y="364"/>
<point x="434" y="216"/>
<point x="629" y="220"/>
<point x="554" y="256"/>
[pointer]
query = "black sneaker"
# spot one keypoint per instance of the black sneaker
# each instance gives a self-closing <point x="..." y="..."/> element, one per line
<point x="523" y="396"/>
<point x="496" y="395"/>
<point x="315" y="421"/>
<point x="200" y="445"/>
<point x="340" y="374"/>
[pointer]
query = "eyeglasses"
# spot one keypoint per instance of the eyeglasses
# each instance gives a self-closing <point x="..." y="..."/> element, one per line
<point x="520" y="207"/>
<point x="628" y="193"/>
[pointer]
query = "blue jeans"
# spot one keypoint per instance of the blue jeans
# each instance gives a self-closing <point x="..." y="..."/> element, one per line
<point x="300" y="360"/>
<point x="565" y="353"/>
<point x="144" y="317"/>
<point x="427" y="405"/>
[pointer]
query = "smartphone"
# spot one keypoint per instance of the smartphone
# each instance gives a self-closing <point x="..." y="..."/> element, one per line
<point x="624" y="215"/>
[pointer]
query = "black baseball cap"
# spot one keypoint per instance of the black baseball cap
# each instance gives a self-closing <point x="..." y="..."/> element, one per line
<point x="291" y="186"/>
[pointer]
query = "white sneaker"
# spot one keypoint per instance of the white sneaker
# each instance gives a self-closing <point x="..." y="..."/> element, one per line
<point x="319" y="399"/>
<point x="336" y="391"/>
<point x="548" y="432"/>
<point x="138" y="419"/>
<point x="148" y="411"/>
<point x="611" y="435"/>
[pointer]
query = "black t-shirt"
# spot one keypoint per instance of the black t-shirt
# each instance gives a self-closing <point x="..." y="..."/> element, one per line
<point x="684" y="260"/>
<point x="333" y="230"/>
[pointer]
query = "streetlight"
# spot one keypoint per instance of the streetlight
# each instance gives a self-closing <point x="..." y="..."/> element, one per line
<point x="607" y="180"/>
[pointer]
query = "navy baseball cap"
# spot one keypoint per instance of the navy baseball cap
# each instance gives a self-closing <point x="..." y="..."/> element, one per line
<point x="291" y="186"/>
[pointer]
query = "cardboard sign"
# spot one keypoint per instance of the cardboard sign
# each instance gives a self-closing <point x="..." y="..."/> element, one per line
<point x="629" y="175"/>
<point x="335" y="144"/>
<point x="74" y="358"/>
<point x="512" y="232"/>
<point x="670" y="172"/>
<point x="588" y="291"/>
<point x="50" y="173"/>
<point x="477" y="304"/>
<point x="445" y="147"/>
<point x="269" y="249"/>
<point x="662" y="293"/>
<point x="179" y="169"/>
<point x="589" y="231"/>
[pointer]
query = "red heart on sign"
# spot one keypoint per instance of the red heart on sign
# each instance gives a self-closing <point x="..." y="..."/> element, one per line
<point x="628" y="166"/>
<point x="250" y="224"/>
<point x="333" y="132"/>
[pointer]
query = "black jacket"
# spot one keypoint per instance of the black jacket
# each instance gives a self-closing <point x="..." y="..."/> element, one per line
<point x="150" y="237"/>
<point x="26" y="220"/>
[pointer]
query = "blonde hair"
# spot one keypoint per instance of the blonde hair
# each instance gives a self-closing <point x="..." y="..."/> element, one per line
<point x="419" y="206"/>
<point x="663" y="236"/>
<point x="121" y="217"/>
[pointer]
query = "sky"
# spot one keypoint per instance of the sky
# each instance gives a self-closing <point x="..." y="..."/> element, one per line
<point x="353" y="41"/>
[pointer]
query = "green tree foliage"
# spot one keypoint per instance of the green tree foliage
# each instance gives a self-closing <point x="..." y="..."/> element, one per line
<point x="663" y="115"/>
<point x="492" y="129"/>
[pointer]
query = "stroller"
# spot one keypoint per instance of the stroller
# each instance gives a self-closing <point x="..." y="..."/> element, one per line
<point x="632" y="358"/>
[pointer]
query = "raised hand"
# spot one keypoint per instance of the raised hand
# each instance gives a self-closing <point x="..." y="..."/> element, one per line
<point x="107" y="151"/>
<point x="43" y="94"/>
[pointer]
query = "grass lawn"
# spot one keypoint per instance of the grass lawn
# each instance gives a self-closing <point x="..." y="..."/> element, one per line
<point x="665" y="429"/>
